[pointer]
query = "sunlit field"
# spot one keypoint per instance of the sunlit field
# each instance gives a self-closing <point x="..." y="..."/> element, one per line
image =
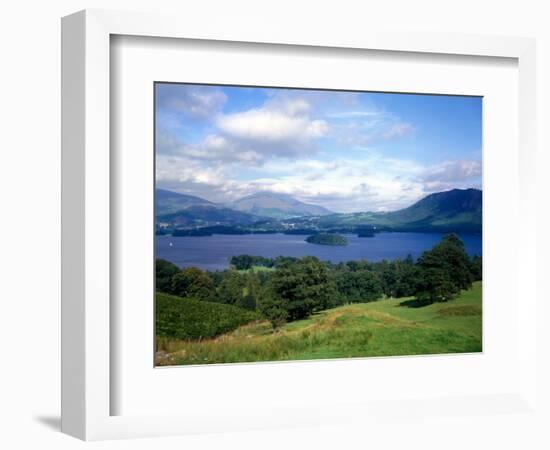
<point x="382" y="328"/>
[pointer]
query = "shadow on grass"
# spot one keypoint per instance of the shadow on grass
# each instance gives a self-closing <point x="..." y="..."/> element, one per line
<point x="416" y="303"/>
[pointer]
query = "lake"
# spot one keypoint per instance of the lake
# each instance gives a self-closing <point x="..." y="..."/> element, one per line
<point x="213" y="252"/>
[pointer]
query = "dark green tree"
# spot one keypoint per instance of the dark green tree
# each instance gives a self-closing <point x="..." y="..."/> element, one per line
<point x="248" y="301"/>
<point x="242" y="262"/>
<point x="388" y="275"/>
<point x="217" y="277"/>
<point x="272" y="308"/>
<point x="361" y="264"/>
<point x="435" y="285"/>
<point x="231" y="288"/>
<point x="281" y="260"/>
<point x="245" y="262"/>
<point x="193" y="282"/>
<point x="476" y="267"/>
<point x="164" y="271"/>
<point x="445" y="270"/>
<point x="406" y="277"/>
<point x="252" y="291"/>
<point x="358" y="286"/>
<point x="303" y="287"/>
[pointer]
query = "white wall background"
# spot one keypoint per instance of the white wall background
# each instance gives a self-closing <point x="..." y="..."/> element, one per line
<point x="30" y="198"/>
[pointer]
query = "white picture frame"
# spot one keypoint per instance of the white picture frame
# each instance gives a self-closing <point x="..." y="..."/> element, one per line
<point x="87" y="325"/>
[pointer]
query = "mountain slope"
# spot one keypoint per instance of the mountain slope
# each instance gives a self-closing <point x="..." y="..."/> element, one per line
<point x="180" y="210"/>
<point x="277" y="206"/>
<point x="458" y="210"/>
<point x="206" y="215"/>
<point x="170" y="202"/>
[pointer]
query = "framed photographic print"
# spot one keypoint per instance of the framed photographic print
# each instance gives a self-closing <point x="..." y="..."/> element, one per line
<point x="297" y="224"/>
<point x="252" y="217"/>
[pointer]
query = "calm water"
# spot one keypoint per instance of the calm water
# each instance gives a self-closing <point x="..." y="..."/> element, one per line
<point x="213" y="252"/>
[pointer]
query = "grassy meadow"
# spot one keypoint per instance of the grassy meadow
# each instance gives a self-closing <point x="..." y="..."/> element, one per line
<point x="387" y="327"/>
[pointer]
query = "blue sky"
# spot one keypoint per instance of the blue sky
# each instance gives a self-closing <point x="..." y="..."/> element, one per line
<point x="346" y="151"/>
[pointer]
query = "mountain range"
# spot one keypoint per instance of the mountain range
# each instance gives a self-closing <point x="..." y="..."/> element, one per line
<point x="180" y="210"/>
<point x="188" y="210"/>
<point x="458" y="210"/>
<point x="277" y="206"/>
<point x="455" y="210"/>
<point x="168" y="202"/>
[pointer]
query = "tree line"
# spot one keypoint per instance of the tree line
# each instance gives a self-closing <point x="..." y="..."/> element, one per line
<point x="294" y="288"/>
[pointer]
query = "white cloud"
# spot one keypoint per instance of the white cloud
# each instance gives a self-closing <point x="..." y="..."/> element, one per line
<point x="282" y="128"/>
<point x="213" y="148"/>
<point x="293" y="105"/>
<point x="343" y="185"/>
<point x="353" y="114"/>
<point x="376" y="183"/>
<point x="271" y="126"/>
<point x="192" y="101"/>
<point x="280" y="120"/>
<point x="365" y="128"/>
<point x="453" y="171"/>
<point x="452" y="174"/>
<point x="398" y="129"/>
<point x="277" y="148"/>
<point x="370" y="184"/>
<point x="181" y="169"/>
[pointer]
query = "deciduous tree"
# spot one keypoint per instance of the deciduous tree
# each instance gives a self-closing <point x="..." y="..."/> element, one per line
<point x="193" y="282"/>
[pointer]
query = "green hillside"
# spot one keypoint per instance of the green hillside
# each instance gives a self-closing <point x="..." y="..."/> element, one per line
<point x="457" y="210"/>
<point x="383" y="328"/>
<point x="187" y="318"/>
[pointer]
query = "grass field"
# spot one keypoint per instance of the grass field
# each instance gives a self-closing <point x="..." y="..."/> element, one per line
<point x="383" y="328"/>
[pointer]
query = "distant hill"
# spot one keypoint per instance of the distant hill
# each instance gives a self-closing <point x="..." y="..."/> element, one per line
<point x="277" y="206"/>
<point x="206" y="215"/>
<point x="458" y="210"/>
<point x="180" y="210"/>
<point x="170" y="202"/>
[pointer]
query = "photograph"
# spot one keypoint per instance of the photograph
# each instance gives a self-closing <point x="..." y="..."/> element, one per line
<point x="296" y="224"/>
